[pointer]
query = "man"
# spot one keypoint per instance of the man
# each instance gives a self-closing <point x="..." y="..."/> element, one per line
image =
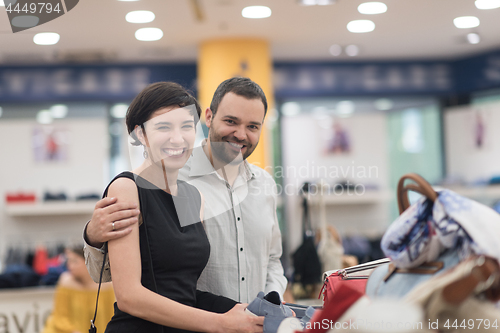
<point x="240" y="201"/>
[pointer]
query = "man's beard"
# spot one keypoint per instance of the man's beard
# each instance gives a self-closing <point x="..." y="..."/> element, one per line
<point x="222" y="151"/>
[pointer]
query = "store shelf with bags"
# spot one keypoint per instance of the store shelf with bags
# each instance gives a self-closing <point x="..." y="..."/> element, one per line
<point x="50" y="208"/>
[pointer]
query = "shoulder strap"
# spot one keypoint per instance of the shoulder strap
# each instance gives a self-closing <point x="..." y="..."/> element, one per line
<point x="93" y="329"/>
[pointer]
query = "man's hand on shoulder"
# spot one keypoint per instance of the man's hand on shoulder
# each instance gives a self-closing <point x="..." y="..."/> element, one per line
<point x="110" y="220"/>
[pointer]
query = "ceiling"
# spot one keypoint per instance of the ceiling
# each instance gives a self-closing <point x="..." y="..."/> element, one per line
<point x="96" y="30"/>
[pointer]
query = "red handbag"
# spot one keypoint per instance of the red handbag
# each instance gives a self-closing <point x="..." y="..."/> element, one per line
<point x="355" y="277"/>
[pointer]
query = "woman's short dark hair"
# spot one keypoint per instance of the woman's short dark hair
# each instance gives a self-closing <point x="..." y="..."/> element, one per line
<point x="154" y="97"/>
<point x="241" y="86"/>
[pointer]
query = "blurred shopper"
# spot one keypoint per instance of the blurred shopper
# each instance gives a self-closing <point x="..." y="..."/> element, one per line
<point x="240" y="210"/>
<point x="75" y="297"/>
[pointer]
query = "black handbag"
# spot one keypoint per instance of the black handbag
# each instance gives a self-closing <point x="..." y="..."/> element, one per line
<point x="305" y="259"/>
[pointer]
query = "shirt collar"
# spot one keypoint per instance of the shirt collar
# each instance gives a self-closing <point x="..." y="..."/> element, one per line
<point x="200" y="164"/>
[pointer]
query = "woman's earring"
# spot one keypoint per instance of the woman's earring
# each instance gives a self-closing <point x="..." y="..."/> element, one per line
<point x="145" y="154"/>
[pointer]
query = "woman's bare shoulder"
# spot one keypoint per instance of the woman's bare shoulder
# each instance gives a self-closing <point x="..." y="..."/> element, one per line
<point x="124" y="188"/>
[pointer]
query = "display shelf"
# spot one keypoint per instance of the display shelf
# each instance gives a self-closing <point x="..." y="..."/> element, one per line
<point x="491" y="192"/>
<point x="50" y="208"/>
<point x="366" y="198"/>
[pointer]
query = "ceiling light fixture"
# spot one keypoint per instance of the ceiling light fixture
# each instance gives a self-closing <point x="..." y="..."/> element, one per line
<point x="316" y="2"/>
<point x="487" y="4"/>
<point x="360" y="26"/>
<point x="465" y="22"/>
<point x="46" y="38"/>
<point x="325" y="2"/>
<point x="335" y="50"/>
<point x="148" y="34"/>
<point x="119" y="110"/>
<point x="383" y="104"/>
<point x="473" y="38"/>
<point x="58" y="111"/>
<point x="256" y="12"/>
<point x="345" y="107"/>
<point x="290" y="109"/>
<point x="140" y="16"/>
<point x="371" y="8"/>
<point x="352" y="50"/>
<point x="44" y="117"/>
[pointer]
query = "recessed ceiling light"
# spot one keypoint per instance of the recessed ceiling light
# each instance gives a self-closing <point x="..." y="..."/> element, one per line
<point x="383" y="104"/>
<point x="46" y="38"/>
<point x="148" y="34"/>
<point x="352" y="50"/>
<point x="325" y="2"/>
<point x="335" y="50"/>
<point x="58" y="111"/>
<point x="44" y="117"/>
<point x="119" y="110"/>
<point x="256" y="12"/>
<point x="290" y="109"/>
<point x="371" y="8"/>
<point x="345" y="107"/>
<point x="465" y="22"/>
<point x="473" y="38"/>
<point x="487" y="4"/>
<point x="316" y="2"/>
<point x="360" y="26"/>
<point x="140" y="16"/>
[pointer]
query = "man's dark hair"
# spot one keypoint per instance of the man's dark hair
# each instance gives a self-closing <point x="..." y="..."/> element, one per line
<point x="241" y="86"/>
<point x="154" y="97"/>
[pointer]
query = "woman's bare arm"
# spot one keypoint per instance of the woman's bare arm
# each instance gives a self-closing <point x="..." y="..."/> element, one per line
<point x="138" y="301"/>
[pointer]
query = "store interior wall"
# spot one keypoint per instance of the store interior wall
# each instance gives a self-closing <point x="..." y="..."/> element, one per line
<point x="84" y="170"/>
<point x="305" y="158"/>
<point x="473" y="142"/>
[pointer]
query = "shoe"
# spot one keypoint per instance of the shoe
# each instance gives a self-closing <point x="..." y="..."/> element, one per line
<point x="307" y="316"/>
<point x="269" y="304"/>
<point x="271" y="308"/>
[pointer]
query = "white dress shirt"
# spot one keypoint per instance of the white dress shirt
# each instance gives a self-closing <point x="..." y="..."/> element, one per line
<point x="242" y="228"/>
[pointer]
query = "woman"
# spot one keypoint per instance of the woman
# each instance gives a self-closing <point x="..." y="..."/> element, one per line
<point x="156" y="266"/>
<point x="74" y="299"/>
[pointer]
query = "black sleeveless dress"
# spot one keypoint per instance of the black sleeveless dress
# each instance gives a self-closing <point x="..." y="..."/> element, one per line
<point x="177" y="253"/>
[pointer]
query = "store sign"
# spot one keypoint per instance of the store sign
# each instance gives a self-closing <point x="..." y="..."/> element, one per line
<point x="362" y="79"/>
<point x="86" y="82"/>
<point x="123" y="82"/>
<point x="25" y="310"/>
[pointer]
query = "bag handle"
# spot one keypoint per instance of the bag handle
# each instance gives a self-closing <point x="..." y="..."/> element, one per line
<point x="421" y="186"/>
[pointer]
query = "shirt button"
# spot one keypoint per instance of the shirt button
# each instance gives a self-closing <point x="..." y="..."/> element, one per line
<point x="239" y="219"/>
<point x="241" y="249"/>
<point x="242" y="279"/>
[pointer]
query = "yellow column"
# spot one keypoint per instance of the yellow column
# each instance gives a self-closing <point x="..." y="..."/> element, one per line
<point x="222" y="59"/>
